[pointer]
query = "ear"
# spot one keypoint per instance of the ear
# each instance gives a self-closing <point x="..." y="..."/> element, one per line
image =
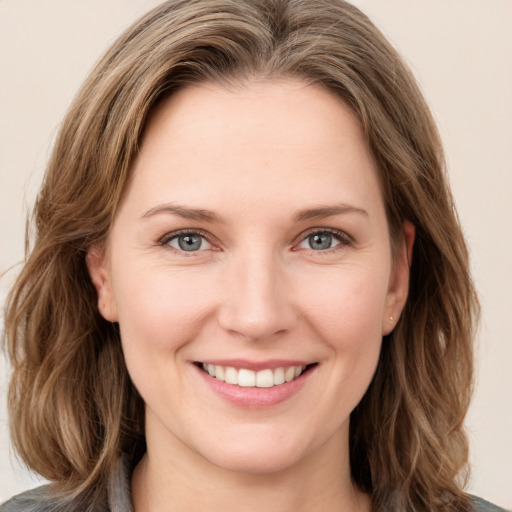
<point x="399" y="280"/>
<point x="101" y="278"/>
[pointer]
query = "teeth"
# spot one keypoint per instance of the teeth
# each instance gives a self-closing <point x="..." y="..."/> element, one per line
<point x="289" y="374"/>
<point x="250" y="379"/>
<point x="220" y="373"/>
<point x="231" y="376"/>
<point x="246" y="378"/>
<point x="265" y="379"/>
<point x="278" y="376"/>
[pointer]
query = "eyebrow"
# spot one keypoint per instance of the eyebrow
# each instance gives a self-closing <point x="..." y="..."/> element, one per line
<point x="198" y="214"/>
<point x="203" y="215"/>
<point x="321" y="212"/>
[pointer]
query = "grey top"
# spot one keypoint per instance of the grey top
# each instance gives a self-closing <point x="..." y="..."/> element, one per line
<point x="118" y="498"/>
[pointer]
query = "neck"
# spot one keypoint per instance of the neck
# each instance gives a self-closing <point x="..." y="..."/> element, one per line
<point x="168" y="480"/>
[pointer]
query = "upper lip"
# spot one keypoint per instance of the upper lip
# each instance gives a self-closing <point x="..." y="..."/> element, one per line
<point x="271" y="364"/>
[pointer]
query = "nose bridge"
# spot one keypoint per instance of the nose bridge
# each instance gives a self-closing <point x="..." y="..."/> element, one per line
<point x="257" y="304"/>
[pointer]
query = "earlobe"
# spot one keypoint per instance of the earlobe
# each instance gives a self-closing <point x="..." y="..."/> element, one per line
<point x="100" y="277"/>
<point x="399" y="283"/>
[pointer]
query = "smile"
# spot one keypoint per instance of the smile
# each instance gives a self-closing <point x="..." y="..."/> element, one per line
<point x="244" y="377"/>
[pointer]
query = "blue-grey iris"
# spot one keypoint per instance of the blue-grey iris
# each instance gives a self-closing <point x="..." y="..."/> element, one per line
<point x="320" y="241"/>
<point x="189" y="242"/>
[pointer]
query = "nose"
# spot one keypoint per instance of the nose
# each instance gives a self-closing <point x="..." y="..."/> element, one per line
<point x="257" y="300"/>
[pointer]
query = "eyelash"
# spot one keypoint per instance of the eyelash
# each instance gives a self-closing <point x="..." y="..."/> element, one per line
<point x="164" y="241"/>
<point x="343" y="238"/>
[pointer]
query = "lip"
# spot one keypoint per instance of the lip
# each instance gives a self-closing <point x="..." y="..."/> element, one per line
<point x="256" y="366"/>
<point x="254" y="397"/>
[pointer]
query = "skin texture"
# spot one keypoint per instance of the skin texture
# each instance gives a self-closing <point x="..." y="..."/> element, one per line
<point x="255" y="156"/>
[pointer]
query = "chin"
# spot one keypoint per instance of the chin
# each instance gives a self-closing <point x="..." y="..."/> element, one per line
<point x="265" y="455"/>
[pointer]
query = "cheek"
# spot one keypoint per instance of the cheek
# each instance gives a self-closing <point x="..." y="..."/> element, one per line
<point x="348" y="319"/>
<point x="349" y="307"/>
<point x="160" y="313"/>
<point x="354" y="335"/>
<point x="160" y="309"/>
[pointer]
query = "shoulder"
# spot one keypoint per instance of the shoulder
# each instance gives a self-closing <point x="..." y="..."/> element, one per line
<point x="480" y="505"/>
<point x="42" y="499"/>
<point x="115" y="497"/>
<point x="34" y="500"/>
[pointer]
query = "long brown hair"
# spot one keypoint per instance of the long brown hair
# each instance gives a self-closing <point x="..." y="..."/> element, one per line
<point x="72" y="406"/>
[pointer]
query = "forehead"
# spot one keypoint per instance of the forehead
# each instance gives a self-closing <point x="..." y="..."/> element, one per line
<point x="285" y="110"/>
<point x="257" y="138"/>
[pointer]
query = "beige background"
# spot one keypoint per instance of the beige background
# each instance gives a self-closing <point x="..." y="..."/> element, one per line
<point x="460" y="50"/>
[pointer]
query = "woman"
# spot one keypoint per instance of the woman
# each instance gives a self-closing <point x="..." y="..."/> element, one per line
<point x="248" y="288"/>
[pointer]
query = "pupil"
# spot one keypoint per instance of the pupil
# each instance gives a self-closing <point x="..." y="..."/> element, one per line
<point x="189" y="242"/>
<point x="320" y="241"/>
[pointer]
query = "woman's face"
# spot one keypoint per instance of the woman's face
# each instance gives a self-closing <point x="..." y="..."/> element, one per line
<point x="251" y="242"/>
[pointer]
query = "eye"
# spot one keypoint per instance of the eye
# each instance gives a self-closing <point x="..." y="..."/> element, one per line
<point x="190" y="241"/>
<point x="323" y="240"/>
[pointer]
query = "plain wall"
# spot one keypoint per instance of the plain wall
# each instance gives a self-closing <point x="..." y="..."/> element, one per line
<point x="461" y="52"/>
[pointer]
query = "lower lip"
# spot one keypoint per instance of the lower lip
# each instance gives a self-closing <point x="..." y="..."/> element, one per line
<point x="253" y="397"/>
